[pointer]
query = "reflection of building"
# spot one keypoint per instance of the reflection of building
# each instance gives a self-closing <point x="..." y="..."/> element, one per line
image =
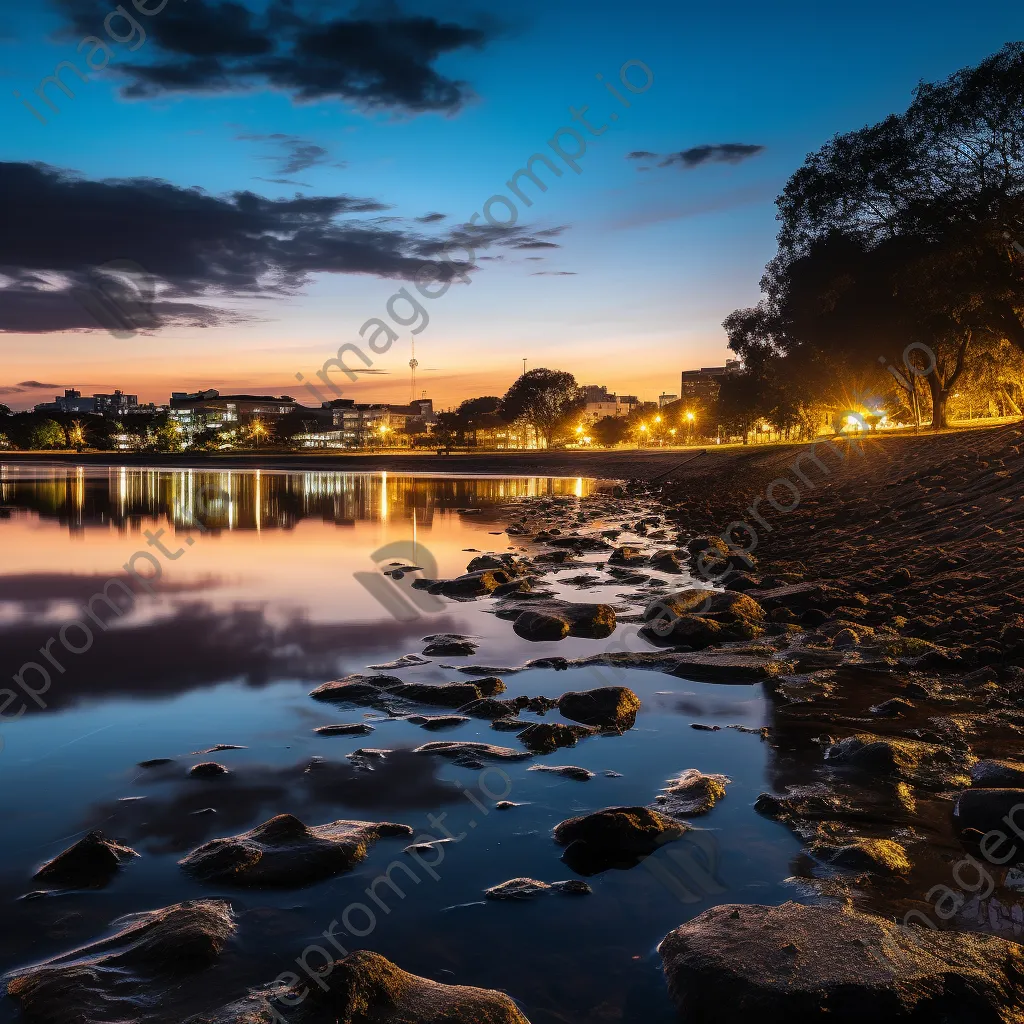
<point x="209" y="501"/>
<point x="211" y="410"/>
<point x="702" y="386"/>
<point x="117" y="404"/>
<point x="359" y="426"/>
<point x="600" y="403"/>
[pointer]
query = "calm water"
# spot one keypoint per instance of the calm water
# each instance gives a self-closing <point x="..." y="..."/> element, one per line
<point x="280" y="590"/>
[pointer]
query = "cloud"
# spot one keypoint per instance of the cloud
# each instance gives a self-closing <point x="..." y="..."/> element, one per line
<point x="193" y="246"/>
<point x="35" y="384"/>
<point x="370" y="62"/>
<point x="299" y="154"/>
<point x="26" y="385"/>
<point x="431" y="218"/>
<point x="285" y="181"/>
<point x="553" y="273"/>
<point x="697" y="156"/>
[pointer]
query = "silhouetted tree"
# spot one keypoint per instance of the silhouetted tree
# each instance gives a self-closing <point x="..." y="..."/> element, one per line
<point x="546" y="399"/>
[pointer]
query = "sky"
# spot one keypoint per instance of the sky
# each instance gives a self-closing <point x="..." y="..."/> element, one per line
<point x="235" y="189"/>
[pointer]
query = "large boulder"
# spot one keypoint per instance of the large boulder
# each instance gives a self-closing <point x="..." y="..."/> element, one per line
<point x="89" y="864"/>
<point x="698" y="618"/>
<point x="285" y="852"/>
<point x="547" y="737"/>
<point x="445" y="695"/>
<point x="797" y="964"/>
<point x="540" y="626"/>
<point x="366" y="988"/>
<point x="616" y="837"/>
<point x="551" y="619"/>
<point x="998" y="775"/>
<point x="604" y="706"/>
<point x="141" y="965"/>
<point x="916" y="761"/>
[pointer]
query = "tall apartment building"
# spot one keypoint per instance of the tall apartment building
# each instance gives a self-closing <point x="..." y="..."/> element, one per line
<point x="702" y="386"/>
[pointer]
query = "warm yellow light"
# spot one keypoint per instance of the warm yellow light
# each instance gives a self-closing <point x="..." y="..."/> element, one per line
<point x="690" y="416"/>
<point x="643" y="428"/>
<point x="587" y="440"/>
<point x="657" y="419"/>
<point x="673" y="431"/>
<point x="384" y="428"/>
<point x="579" y="430"/>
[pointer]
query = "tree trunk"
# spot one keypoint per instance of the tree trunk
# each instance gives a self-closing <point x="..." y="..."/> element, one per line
<point x="939" y="398"/>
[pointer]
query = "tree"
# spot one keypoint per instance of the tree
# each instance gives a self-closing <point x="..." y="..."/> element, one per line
<point x="47" y="436"/>
<point x="5" y="410"/>
<point x="610" y="431"/>
<point x="546" y="399"/>
<point x="902" y="233"/>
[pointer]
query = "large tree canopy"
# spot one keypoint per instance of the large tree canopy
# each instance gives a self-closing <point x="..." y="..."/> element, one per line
<point x="902" y="234"/>
<point x="545" y="399"/>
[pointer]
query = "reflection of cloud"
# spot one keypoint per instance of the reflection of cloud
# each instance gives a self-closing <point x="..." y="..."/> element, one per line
<point x="200" y="645"/>
<point x="403" y="781"/>
<point x="38" y="589"/>
<point x="764" y="191"/>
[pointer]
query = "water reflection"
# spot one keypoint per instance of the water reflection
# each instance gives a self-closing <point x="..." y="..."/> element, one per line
<point x="254" y="500"/>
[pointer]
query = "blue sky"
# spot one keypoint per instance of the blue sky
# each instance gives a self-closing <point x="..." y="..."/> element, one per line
<point x="648" y="263"/>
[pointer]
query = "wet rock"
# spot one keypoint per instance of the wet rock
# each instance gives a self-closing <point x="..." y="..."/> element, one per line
<point x="89" y="864"/>
<point x="616" y="837"/>
<point x="892" y="708"/>
<point x="912" y="760"/>
<point x="485" y="562"/>
<point x="579" y="543"/>
<point x="667" y="561"/>
<point x="547" y="737"/>
<point x="451" y="648"/>
<point x="447" y="695"/>
<point x="692" y="793"/>
<point x="354" y="689"/>
<point x="530" y="888"/>
<point x="709" y="543"/>
<point x="798" y="963"/>
<point x="366" y="754"/>
<point x="567" y="771"/>
<point x="727" y="605"/>
<point x="509" y="724"/>
<point x="540" y="627"/>
<point x="845" y="638"/>
<point x="155" y="762"/>
<point x="489" y="686"/>
<point x="434" y="722"/>
<point x="605" y="706"/>
<point x="344" y="729"/>
<point x="474" y="584"/>
<point x="460" y="750"/>
<point x="998" y="775"/>
<point x="208" y="770"/>
<point x="285" y="852"/>
<point x="488" y="707"/>
<point x="506" y="805"/>
<point x="883" y="856"/>
<point x="365" y="988"/>
<point x="627" y="554"/>
<point x="113" y="978"/>
<point x="405" y="661"/>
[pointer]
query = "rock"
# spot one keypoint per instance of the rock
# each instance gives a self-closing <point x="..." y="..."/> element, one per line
<point x="726" y="605"/>
<point x="364" y="754"/>
<point x="547" y="737"/>
<point x="488" y="707"/>
<point x="405" y="661"/>
<point x="365" y="988"/>
<point x="474" y="584"/>
<point x="447" y="695"/>
<point x="451" y="648"/>
<point x="530" y="888"/>
<point x="998" y="775"/>
<point x="912" y="760"/>
<point x="155" y="762"/>
<point x="539" y="627"/>
<point x="89" y="864"/>
<point x="208" y="770"/>
<point x="883" y="856"/>
<point x="506" y="805"/>
<point x="354" y="689"/>
<point x="728" y="667"/>
<point x="568" y="771"/>
<point x="892" y="708"/>
<point x="484" y="562"/>
<point x="489" y="686"/>
<point x="616" y="837"/>
<point x="845" y="638"/>
<point x="459" y="750"/>
<point x="605" y="706"/>
<point x="140" y="965"/>
<point x="714" y="544"/>
<point x="579" y="543"/>
<point x="434" y="722"/>
<point x="977" y="812"/>
<point x="344" y="729"/>
<point x="800" y="964"/>
<point x="667" y="561"/>
<point x="692" y="793"/>
<point x="285" y="852"/>
<point x="627" y="555"/>
<point x="509" y="724"/>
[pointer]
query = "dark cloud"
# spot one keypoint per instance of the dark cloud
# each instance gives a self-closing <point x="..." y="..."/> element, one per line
<point x="35" y="384"/>
<point x="372" y="62"/>
<point x="299" y="154"/>
<point x="286" y="181"/>
<point x="191" y="246"/>
<point x="431" y="218"/>
<point x="697" y="156"/>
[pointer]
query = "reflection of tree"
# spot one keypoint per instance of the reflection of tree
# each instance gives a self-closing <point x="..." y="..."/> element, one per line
<point x="249" y="500"/>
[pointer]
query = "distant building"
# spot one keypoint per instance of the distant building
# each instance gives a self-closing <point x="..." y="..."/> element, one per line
<point x="601" y="404"/>
<point x="702" y="386"/>
<point x="116" y="404"/>
<point x="664" y="400"/>
<point x="209" y="410"/>
<point x="364" y="425"/>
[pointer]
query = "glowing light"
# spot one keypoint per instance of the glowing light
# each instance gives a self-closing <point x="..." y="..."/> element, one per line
<point x="690" y="416"/>
<point x="579" y="429"/>
<point x="657" y="419"/>
<point x="587" y="439"/>
<point x="643" y="428"/>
